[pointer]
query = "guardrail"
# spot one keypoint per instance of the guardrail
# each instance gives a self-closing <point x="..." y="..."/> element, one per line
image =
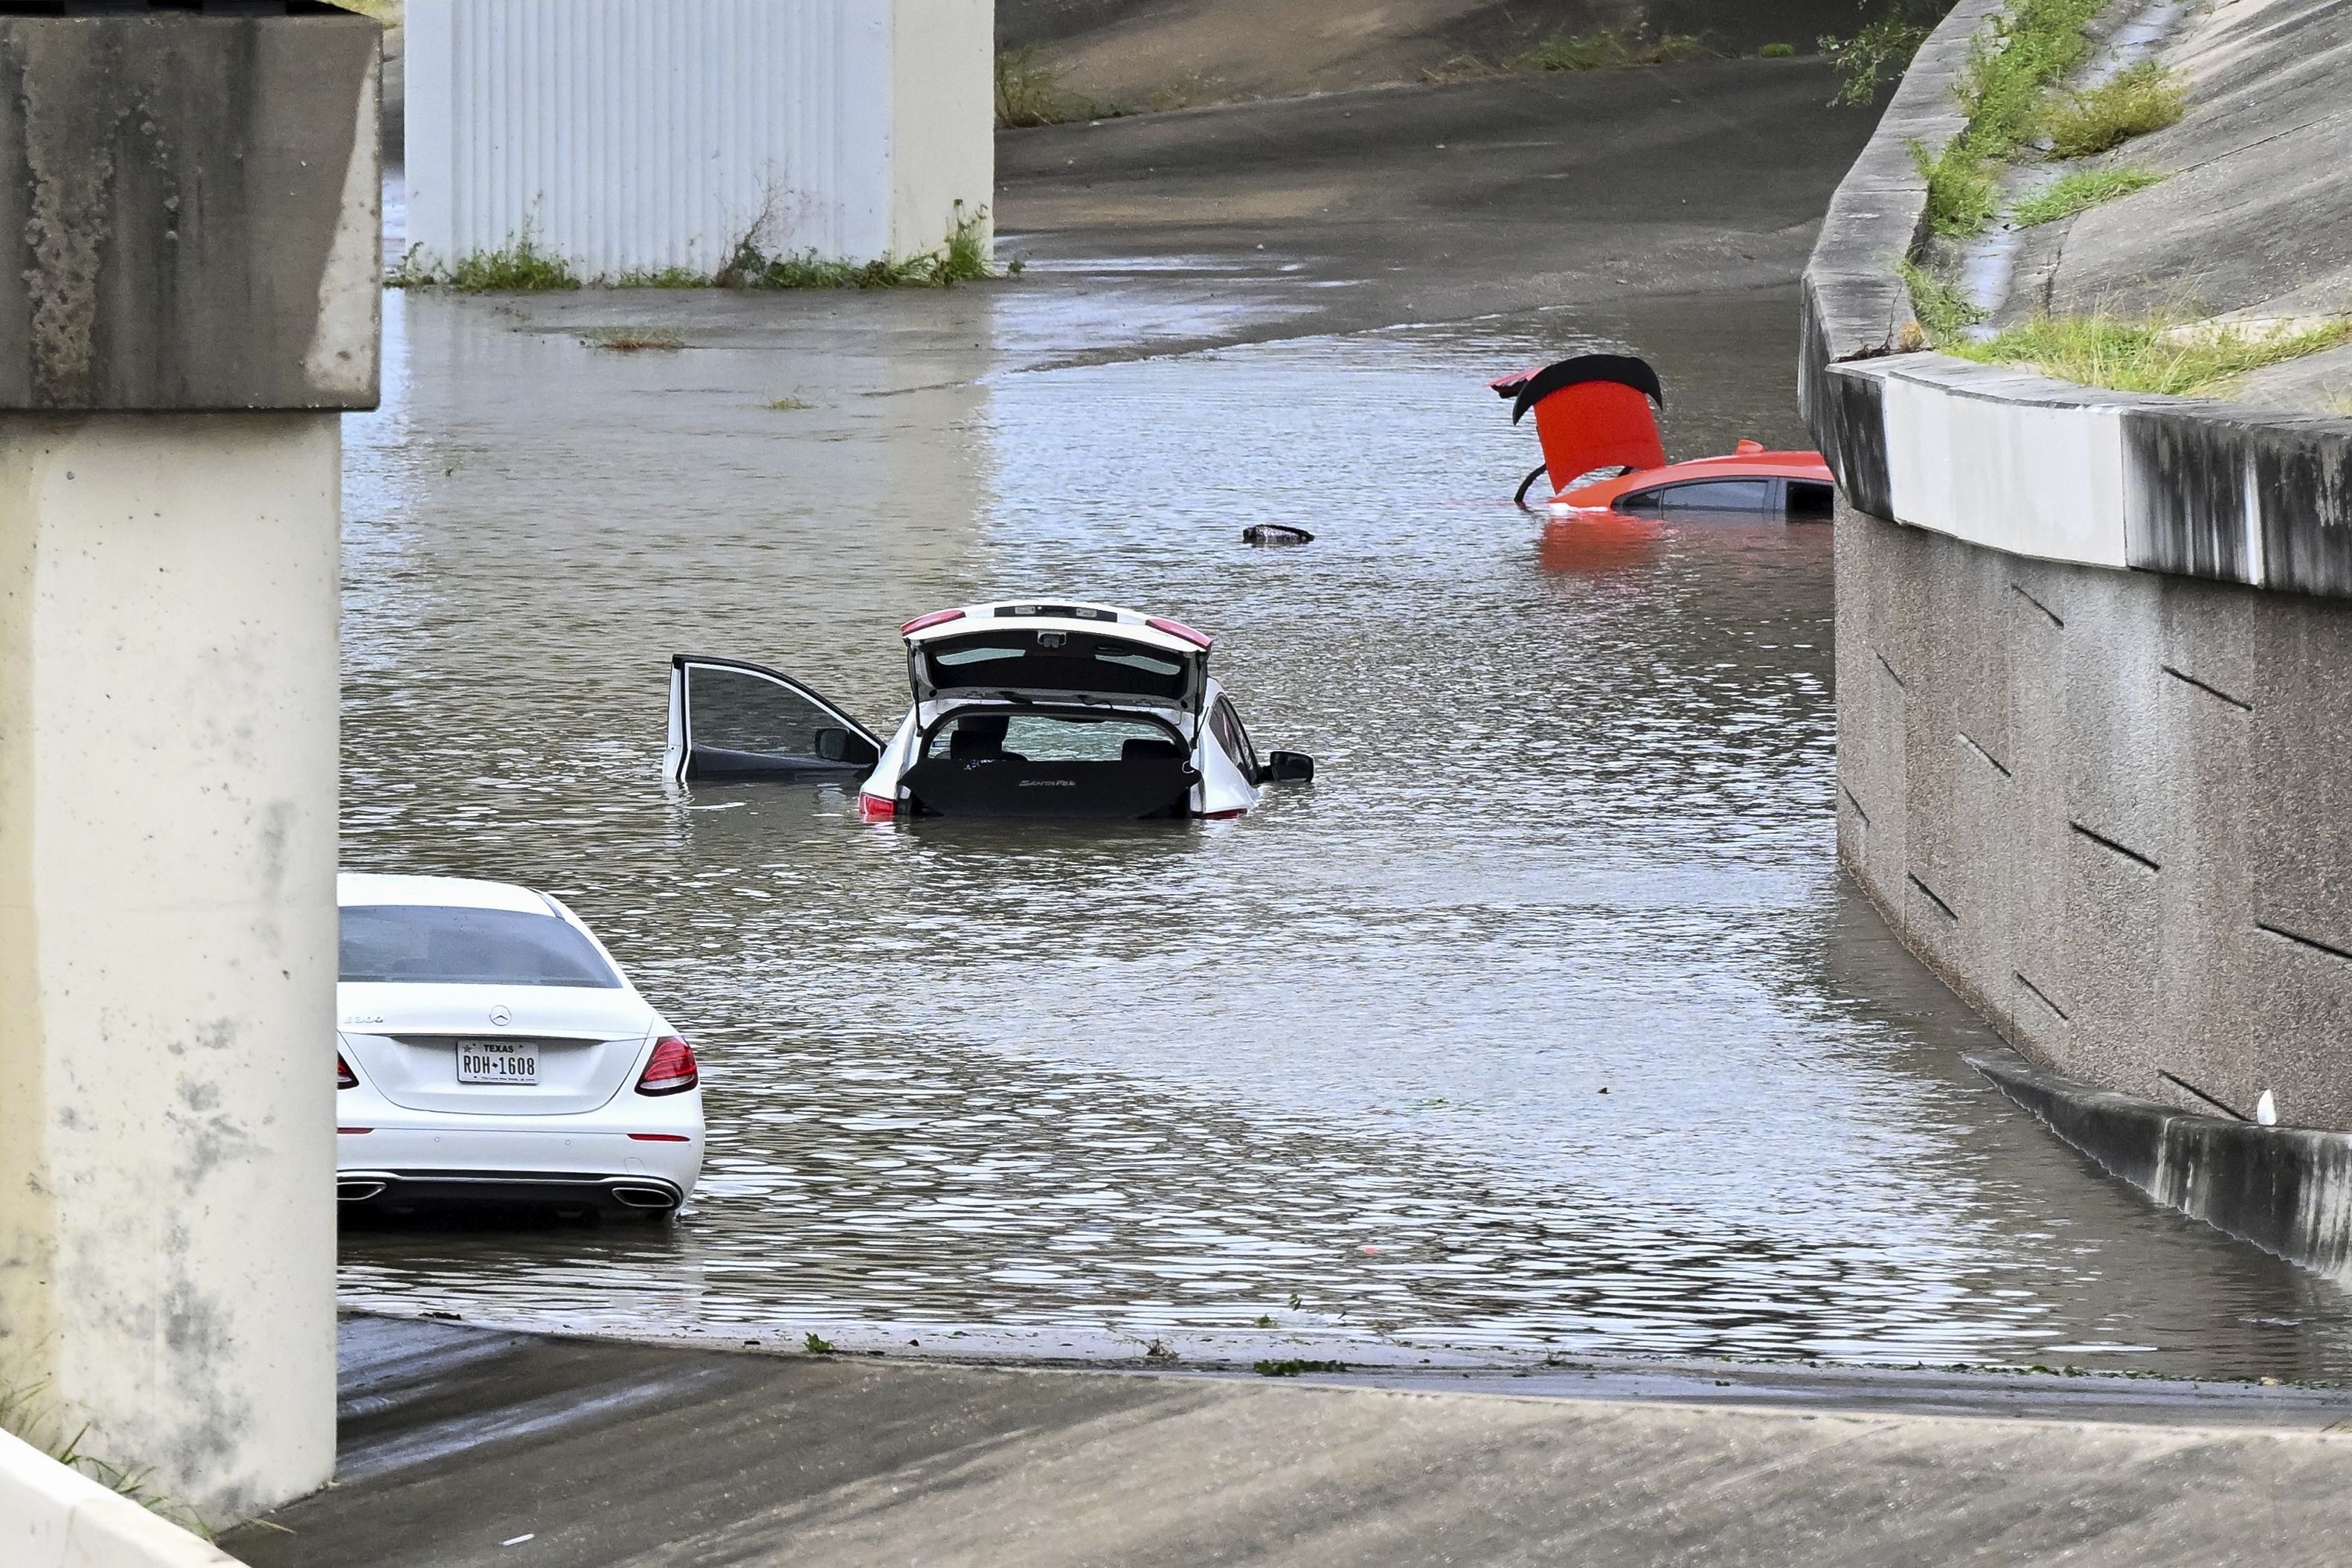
<point x="52" y="1516"/>
<point x="2022" y="463"/>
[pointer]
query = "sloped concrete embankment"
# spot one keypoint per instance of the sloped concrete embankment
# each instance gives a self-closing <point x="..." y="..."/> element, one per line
<point x="464" y="1446"/>
<point x="2092" y="724"/>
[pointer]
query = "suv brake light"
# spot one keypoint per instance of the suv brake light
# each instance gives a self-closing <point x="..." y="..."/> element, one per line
<point x="1178" y="629"/>
<point x="672" y="1070"/>
<point x="936" y="618"/>
<point x="344" y="1076"/>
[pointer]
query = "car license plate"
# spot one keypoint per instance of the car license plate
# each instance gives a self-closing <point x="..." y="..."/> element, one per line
<point x="496" y="1061"/>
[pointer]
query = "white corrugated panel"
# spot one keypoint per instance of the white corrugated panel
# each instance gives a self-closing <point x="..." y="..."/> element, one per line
<point x="637" y="134"/>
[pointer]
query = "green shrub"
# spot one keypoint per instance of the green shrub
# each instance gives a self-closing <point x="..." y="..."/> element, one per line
<point x="1629" y="43"/>
<point x="2134" y="101"/>
<point x="2081" y="190"/>
<point x="1776" y="51"/>
<point x="1881" y="52"/>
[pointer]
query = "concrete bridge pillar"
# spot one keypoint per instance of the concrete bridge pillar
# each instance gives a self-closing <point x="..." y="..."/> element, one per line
<point x="188" y="303"/>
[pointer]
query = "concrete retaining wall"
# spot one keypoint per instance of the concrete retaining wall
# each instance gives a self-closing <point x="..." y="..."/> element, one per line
<point x="2110" y="809"/>
<point x="2093" y="728"/>
<point x="52" y="1517"/>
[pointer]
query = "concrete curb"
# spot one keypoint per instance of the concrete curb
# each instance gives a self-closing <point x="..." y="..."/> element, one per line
<point x="2288" y="1190"/>
<point x="52" y="1516"/>
<point x="2022" y="463"/>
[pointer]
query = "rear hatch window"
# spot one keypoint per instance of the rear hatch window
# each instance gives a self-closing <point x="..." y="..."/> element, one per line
<point x="1045" y="661"/>
<point x="429" y="944"/>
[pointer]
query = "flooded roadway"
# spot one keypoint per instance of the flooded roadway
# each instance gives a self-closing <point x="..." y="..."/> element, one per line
<point x="1542" y="1020"/>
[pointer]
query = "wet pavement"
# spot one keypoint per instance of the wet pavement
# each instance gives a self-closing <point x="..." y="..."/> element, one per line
<point x="1541" y="1023"/>
<point x="461" y="1446"/>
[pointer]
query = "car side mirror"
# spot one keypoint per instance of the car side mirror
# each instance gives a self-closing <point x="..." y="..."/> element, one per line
<point x="1288" y="767"/>
<point x="835" y="745"/>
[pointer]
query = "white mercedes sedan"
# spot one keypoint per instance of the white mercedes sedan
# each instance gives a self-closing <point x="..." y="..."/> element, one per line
<point x="489" y="1051"/>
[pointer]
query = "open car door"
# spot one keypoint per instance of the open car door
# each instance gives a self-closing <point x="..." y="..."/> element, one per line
<point x="730" y="720"/>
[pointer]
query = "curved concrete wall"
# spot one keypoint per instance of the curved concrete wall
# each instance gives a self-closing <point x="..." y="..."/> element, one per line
<point x="2094" y="725"/>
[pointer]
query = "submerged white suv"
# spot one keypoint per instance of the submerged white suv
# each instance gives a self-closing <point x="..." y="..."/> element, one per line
<point x="489" y="1050"/>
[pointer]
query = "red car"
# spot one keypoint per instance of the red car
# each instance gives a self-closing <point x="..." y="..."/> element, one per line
<point x="1592" y="416"/>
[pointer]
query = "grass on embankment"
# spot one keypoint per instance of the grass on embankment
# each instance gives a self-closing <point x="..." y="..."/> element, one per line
<point x="2151" y="354"/>
<point x="523" y="267"/>
<point x="1943" y="310"/>
<point x="1029" y="91"/>
<point x="2132" y="102"/>
<point x="2001" y="89"/>
<point x="2079" y="193"/>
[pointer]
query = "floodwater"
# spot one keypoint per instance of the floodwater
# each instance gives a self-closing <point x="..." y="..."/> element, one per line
<point x="1542" y="1019"/>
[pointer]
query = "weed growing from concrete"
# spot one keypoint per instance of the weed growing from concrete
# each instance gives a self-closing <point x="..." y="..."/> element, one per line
<point x="816" y="1344"/>
<point x="1292" y="1368"/>
<point x="517" y="266"/>
<point x="789" y="404"/>
<point x="1879" y="54"/>
<point x="2134" y="101"/>
<point x="632" y="340"/>
<point x="2008" y="71"/>
<point x="1942" y="310"/>
<point x="1029" y="91"/>
<point x="28" y="1415"/>
<point x="2150" y="355"/>
<point x="961" y="258"/>
<point x="1962" y="188"/>
<point x="1629" y="43"/>
<point x="662" y="278"/>
<point x="2080" y="191"/>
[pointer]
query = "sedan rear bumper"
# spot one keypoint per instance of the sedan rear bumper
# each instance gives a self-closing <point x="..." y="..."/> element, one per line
<point x="411" y="1189"/>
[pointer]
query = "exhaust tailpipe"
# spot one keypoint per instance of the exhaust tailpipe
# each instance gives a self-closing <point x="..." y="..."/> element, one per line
<point x="645" y="1197"/>
<point x="356" y="1191"/>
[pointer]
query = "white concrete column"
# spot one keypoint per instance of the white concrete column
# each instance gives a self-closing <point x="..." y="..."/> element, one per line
<point x="942" y="120"/>
<point x="193" y="305"/>
<point x="168" y="695"/>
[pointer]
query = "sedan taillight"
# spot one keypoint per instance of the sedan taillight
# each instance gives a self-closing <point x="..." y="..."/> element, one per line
<point x="671" y="1070"/>
<point x="344" y="1076"/>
